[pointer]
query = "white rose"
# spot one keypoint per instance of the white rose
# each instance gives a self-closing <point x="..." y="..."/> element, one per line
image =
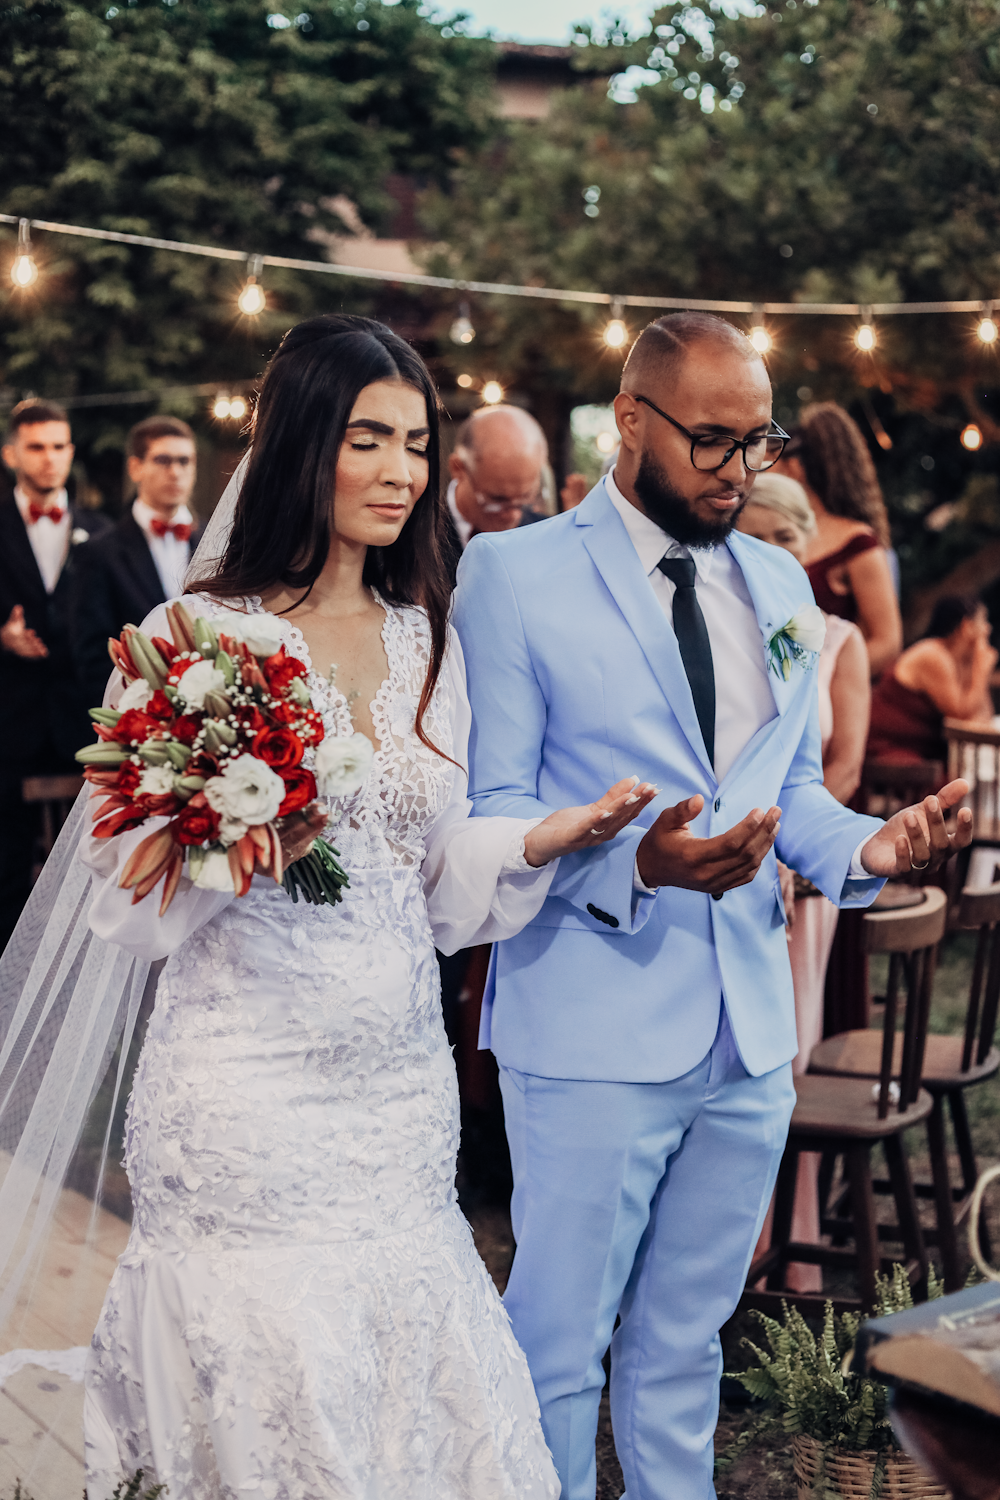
<point x="248" y="791"/>
<point x="156" y="781"/>
<point x="136" y="695"/>
<point x="210" y="870"/>
<point x="343" y="765"/>
<point x="807" y="627"/>
<point x="198" y="680"/>
<point x="231" y="830"/>
<point x="261" y="633"/>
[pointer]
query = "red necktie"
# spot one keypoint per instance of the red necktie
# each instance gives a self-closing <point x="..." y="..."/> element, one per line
<point x="36" y="512"/>
<point x="180" y="529"/>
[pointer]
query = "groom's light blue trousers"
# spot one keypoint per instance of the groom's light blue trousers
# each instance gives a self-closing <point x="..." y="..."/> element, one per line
<point x="642" y="1200"/>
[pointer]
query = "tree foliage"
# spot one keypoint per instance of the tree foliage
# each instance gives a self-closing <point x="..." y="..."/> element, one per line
<point x="215" y="121"/>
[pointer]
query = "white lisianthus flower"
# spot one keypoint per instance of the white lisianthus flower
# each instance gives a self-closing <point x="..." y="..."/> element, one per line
<point x="231" y="830"/>
<point x="247" y="791"/>
<point x="261" y="633"/>
<point x="198" y="680"/>
<point x="343" y="765"/>
<point x="156" y="781"/>
<point x="807" y="627"/>
<point x="136" y="695"/>
<point x="210" y="870"/>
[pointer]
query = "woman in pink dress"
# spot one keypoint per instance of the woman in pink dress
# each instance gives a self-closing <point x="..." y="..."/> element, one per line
<point x="779" y="513"/>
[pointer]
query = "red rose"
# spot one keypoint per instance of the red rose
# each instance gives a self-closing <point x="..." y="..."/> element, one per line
<point x="197" y="822"/>
<point x="202" y="764"/>
<point x="167" y="649"/>
<point x="128" y="778"/>
<point x="281" y="749"/>
<point x="300" y="789"/>
<point x="284" y="713"/>
<point x="159" y="806"/>
<point x="160" y="706"/>
<point x="310" y="727"/>
<point x="135" y="725"/>
<point x="185" y="729"/>
<point x="281" y="669"/>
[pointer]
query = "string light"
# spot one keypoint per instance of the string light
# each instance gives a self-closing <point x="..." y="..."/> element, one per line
<point x="987" y="330"/>
<point x="23" y="272"/>
<point x="864" y="335"/>
<point x="229" y="408"/>
<point x="252" y="300"/>
<point x="221" y="408"/>
<point x="464" y="381"/>
<point x="492" y="392"/>
<point x="606" y="442"/>
<point x="237" y="408"/>
<point x="615" y="333"/>
<point x="461" y="330"/>
<point x="971" y="437"/>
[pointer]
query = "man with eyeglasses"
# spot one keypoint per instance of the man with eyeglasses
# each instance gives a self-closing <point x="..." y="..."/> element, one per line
<point x="143" y="560"/>
<point x="644" y="1022"/>
<point x="496" y="473"/>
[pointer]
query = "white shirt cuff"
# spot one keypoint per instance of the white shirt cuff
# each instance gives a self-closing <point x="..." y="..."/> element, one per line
<point x="857" y="870"/>
<point x="639" y="886"/>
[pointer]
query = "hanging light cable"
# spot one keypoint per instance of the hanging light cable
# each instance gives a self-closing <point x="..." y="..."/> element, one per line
<point x="24" y="272"/>
<point x="252" y="300"/>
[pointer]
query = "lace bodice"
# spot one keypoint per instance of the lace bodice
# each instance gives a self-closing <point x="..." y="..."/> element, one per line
<point x="409" y="785"/>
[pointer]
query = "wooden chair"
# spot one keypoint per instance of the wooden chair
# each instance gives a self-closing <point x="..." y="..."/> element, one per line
<point x="56" y="795"/>
<point x="848" y="1116"/>
<point x="888" y="786"/>
<point x="974" y="753"/>
<point x="951" y="1065"/>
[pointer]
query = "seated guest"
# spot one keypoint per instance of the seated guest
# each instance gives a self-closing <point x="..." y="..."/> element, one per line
<point x="779" y="512"/>
<point x="944" y="675"/>
<point x="43" y="537"/>
<point x="847" y="560"/>
<point x="143" y="559"/>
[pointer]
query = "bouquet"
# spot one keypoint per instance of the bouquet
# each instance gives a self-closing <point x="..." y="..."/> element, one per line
<point x="211" y="732"/>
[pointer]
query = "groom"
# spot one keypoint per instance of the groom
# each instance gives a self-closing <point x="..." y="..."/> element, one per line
<point x="644" y="1021"/>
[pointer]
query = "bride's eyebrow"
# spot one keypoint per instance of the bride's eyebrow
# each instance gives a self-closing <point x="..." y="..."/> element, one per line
<point x="385" y="430"/>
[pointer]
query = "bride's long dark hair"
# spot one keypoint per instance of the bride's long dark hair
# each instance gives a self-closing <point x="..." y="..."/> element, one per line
<point x="282" y="524"/>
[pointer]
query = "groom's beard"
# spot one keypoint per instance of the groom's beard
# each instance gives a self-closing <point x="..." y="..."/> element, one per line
<point x="672" y="513"/>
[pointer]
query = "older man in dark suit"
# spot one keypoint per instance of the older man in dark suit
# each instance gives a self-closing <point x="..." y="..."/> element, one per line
<point x="496" y="474"/>
<point x="42" y="537"/>
<point x="143" y="559"/>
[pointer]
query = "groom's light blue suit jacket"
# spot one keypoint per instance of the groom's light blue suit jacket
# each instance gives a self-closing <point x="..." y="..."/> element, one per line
<point x="576" y="681"/>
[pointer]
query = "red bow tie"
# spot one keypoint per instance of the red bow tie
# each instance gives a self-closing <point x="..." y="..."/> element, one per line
<point x="36" y="512"/>
<point x="180" y="529"/>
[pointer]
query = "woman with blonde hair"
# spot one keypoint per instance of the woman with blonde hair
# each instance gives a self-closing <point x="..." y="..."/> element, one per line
<point x="779" y="512"/>
<point x="846" y="557"/>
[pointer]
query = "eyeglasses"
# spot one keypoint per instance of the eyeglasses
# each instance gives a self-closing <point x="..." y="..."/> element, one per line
<point x="713" y="450"/>
<point x="166" y="460"/>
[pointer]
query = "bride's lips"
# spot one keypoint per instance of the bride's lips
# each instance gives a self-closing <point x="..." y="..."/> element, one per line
<point x="391" y="512"/>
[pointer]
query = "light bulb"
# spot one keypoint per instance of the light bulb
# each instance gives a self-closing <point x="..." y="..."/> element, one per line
<point x="237" y="408"/>
<point x="24" y="271"/>
<point x="761" y="339"/>
<point x="615" y="334"/>
<point x="464" y="381"/>
<point x="492" y="392"/>
<point x="865" y="337"/>
<point x="461" y="331"/>
<point x="606" y="442"/>
<point x="251" y="300"/>
<point x="222" y="408"/>
<point x="971" y="437"/>
<point x="987" y="331"/>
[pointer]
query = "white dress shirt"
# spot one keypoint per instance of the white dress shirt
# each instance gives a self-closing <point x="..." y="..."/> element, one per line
<point x="49" y="539"/>
<point x="462" y="526"/>
<point x="170" y="556"/>
<point x="743" y="698"/>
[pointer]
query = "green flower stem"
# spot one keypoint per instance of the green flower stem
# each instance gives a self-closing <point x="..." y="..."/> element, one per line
<point x="318" y="875"/>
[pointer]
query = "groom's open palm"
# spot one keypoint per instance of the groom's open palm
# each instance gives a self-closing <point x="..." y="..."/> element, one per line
<point x="917" y="838"/>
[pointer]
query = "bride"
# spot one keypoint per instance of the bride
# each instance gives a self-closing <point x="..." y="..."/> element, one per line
<point x="300" y="1311"/>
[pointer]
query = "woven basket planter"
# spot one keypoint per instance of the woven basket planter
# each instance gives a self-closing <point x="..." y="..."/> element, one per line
<point x="848" y="1474"/>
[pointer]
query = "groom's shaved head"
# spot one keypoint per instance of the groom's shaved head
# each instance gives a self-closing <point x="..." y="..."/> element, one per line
<point x="660" y="350"/>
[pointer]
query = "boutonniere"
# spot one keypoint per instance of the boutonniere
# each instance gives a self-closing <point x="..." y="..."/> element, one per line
<point x="78" y="535"/>
<point x="799" y="639"/>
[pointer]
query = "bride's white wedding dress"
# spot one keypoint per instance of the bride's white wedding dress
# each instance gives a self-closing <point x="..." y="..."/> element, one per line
<point x="301" y="1313"/>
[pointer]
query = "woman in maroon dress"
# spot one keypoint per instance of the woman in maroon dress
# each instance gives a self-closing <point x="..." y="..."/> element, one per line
<point x="846" y="560"/>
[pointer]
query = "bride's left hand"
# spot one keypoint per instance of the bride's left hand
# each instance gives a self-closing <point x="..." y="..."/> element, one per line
<point x="575" y="828"/>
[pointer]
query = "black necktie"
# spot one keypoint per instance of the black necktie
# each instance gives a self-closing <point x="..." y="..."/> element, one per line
<point x="696" y="649"/>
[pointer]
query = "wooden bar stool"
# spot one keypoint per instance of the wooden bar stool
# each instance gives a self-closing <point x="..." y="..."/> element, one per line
<point x="847" y="1116"/>
<point x="56" y="794"/>
<point x="951" y="1065"/>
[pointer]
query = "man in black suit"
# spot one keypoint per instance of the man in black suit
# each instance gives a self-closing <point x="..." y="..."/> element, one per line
<point x="496" y="474"/>
<point x="42" y="537"/>
<point x="143" y="559"/>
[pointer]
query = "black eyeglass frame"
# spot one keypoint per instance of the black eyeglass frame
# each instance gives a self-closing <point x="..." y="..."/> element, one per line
<point x="744" y="443"/>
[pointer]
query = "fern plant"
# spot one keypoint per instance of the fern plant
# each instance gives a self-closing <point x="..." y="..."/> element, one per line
<point x="801" y="1380"/>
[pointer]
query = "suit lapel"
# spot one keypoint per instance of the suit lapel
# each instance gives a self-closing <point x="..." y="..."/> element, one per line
<point x="773" y="610"/>
<point x="140" y="559"/>
<point x="18" y="550"/>
<point x="615" y="558"/>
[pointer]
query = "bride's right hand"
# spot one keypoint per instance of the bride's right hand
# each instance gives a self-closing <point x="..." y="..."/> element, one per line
<point x="575" y="828"/>
<point x="299" y="830"/>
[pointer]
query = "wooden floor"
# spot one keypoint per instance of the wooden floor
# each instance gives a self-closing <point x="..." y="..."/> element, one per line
<point x="41" y="1412"/>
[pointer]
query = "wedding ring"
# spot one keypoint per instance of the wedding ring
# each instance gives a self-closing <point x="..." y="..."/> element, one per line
<point x="598" y="832"/>
<point x="924" y="866"/>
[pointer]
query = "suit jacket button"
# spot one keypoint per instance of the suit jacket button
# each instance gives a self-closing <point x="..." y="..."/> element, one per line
<point x="611" y="921"/>
<point x="718" y="803"/>
<point x="592" y="909"/>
